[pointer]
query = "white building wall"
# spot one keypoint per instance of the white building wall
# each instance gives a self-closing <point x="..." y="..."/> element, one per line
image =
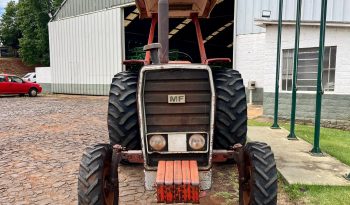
<point x="43" y="75"/>
<point x="335" y="36"/>
<point x="44" y="78"/>
<point x="249" y="58"/>
<point x="256" y="55"/>
<point x="86" y="51"/>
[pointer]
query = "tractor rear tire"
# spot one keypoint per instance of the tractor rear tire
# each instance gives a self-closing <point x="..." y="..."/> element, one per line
<point x="231" y="109"/>
<point x="93" y="179"/>
<point x="122" y="120"/>
<point x="261" y="181"/>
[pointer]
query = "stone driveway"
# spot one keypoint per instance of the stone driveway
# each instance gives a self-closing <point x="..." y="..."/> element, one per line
<point x="41" y="142"/>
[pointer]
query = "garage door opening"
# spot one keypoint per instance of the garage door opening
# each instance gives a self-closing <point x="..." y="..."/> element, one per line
<point x="217" y="34"/>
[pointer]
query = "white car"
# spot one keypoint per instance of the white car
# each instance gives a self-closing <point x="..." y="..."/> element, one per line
<point x="30" y="77"/>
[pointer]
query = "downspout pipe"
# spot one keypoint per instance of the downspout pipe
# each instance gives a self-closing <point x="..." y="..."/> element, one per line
<point x="163" y="30"/>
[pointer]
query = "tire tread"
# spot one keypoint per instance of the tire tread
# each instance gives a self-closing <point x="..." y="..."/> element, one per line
<point x="264" y="173"/>
<point x="90" y="185"/>
<point x="123" y="125"/>
<point x="231" y="109"/>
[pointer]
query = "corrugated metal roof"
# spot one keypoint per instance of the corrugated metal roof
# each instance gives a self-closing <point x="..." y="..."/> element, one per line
<point x="78" y="7"/>
<point x="249" y="10"/>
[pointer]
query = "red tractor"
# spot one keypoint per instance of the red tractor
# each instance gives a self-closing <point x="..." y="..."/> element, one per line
<point x="177" y="118"/>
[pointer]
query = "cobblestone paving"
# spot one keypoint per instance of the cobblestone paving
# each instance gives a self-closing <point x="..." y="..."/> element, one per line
<point x="41" y="142"/>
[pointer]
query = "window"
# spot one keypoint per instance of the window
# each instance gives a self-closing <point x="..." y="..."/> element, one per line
<point x="2" y="79"/>
<point x="15" y="79"/>
<point x="307" y="69"/>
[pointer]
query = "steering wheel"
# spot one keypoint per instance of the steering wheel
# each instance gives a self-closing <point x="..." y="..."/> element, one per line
<point x="187" y="56"/>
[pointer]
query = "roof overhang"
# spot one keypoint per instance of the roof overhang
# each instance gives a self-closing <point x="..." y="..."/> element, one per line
<point x="264" y="23"/>
<point x="177" y="8"/>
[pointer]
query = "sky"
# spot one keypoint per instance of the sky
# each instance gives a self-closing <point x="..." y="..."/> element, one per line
<point x="3" y="4"/>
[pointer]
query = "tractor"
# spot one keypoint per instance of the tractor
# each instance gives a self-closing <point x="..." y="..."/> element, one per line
<point x="177" y="119"/>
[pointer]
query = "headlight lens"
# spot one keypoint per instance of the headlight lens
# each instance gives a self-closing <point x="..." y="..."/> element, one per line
<point x="157" y="142"/>
<point x="196" y="142"/>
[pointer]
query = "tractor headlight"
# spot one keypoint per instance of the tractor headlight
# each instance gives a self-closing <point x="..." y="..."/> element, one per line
<point x="196" y="142"/>
<point x="157" y="142"/>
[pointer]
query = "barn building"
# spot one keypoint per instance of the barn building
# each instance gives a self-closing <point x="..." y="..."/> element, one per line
<point x="89" y="40"/>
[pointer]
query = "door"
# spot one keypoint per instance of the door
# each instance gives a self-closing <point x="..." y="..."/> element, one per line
<point x="17" y="85"/>
<point x="4" y="85"/>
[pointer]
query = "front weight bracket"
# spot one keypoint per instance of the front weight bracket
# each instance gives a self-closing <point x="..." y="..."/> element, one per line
<point x="116" y="158"/>
<point x="241" y="164"/>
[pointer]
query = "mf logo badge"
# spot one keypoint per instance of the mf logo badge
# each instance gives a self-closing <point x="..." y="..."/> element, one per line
<point x="175" y="99"/>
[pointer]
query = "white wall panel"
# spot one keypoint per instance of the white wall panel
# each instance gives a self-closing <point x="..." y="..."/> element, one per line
<point x="86" y="52"/>
<point x="43" y="75"/>
<point x="249" y="58"/>
<point x="249" y="10"/>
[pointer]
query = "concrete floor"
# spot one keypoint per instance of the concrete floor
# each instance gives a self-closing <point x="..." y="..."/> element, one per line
<point x="296" y="164"/>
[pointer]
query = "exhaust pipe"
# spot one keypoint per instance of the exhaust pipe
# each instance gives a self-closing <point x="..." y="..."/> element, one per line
<point x="163" y="30"/>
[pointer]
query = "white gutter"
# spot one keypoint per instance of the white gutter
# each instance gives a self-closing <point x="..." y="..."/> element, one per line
<point x="264" y="23"/>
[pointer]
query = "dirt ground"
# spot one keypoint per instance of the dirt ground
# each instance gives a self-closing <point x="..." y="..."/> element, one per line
<point x="14" y="66"/>
<point x="255" y="111"/>
<point x="42" y="140"/>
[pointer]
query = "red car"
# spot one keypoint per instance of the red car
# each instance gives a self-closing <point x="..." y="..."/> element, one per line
<point x="11" y="84"/>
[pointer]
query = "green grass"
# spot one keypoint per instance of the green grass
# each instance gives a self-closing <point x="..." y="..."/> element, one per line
<point x="332" y="141"/>
<point x="258" y="123"/>
<point x="319" y="195"/>
<point x="226" y="196"/>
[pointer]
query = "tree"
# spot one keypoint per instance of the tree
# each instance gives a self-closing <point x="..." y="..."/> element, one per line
<point x="9" y="30"/>
<point x="33" y="17"/>
<point x="55" y="5"/>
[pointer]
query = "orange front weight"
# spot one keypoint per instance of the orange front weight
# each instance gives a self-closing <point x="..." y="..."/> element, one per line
<point x="169" y="181"/>
<point x="160" y="182"/>
<point x="177" y="181"/>
<point x="194" y="182"/>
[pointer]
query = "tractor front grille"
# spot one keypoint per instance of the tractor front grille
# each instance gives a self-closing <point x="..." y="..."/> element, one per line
<point x="191" y="116"/>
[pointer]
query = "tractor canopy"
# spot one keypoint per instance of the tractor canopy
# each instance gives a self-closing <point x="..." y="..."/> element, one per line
<point x="177" y="8"/>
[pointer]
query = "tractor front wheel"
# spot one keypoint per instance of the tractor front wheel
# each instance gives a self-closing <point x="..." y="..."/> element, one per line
<point x="231" y="109"/>
<point x="123" y="123"/>
<point x="260" y="185"/>
<point x="94" y="179"/>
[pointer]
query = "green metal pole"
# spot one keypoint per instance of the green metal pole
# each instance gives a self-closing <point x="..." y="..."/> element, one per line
<point x="316" y="149"/>
<point x="278" y="64"/>
<point x="292" y="135"/>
